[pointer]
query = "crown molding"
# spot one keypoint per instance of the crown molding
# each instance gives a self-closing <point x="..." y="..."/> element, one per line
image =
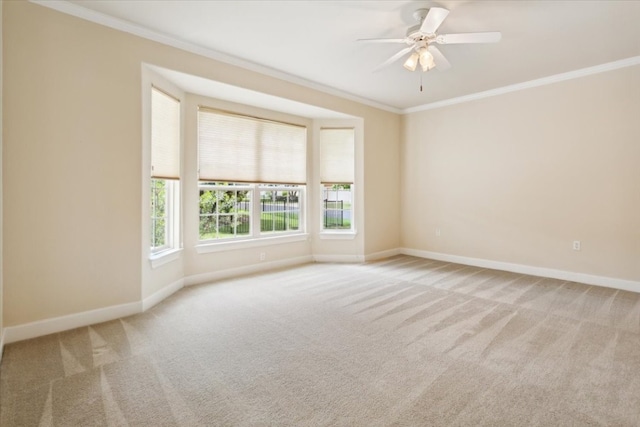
<point x="609" y="66"/>
<point x="78" y="11"/>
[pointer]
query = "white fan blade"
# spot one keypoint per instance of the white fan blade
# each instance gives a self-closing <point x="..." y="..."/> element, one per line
<point x="394" y="58"/>
<point x="488" y="37"/>
<point x="433" y="20"/>
<point x="438" y="58"/>
<point x="382" y="40"/>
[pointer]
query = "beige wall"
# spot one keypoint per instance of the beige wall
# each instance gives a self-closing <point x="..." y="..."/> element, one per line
<point x="382" y="190"/>
<point x="516" y="178"/>
<point x="73" y="164"/>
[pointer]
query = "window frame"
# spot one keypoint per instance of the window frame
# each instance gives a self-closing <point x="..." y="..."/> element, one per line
<point x="172" y="248"/>
<point x="172" y="217"/>
<point x="214" y="187"/>
<point x="323" y="210"/>
<point x="301" y="189"/>
<point x="255" y="214"/>
<point x="155" y="217"/>
<point x="338" y="233"/>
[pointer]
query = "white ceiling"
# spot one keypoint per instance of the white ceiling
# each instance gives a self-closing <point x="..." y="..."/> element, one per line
<point x="315" y="41"/>
<point x="226" y="92"/>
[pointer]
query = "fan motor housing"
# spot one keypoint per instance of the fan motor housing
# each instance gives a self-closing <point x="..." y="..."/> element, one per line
<point x="414" y="31"/>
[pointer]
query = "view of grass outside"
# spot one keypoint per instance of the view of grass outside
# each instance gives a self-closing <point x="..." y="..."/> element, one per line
<point x="158" y="213"/>
<point x="227" y="213"/>
<point x="278" y="221"/>
<point x="225" y="209"/>
<point x="279" y="211"/>
<point x="224" y="213"/>
<point x="337" y="215"/>
<point x="337" y="207"/>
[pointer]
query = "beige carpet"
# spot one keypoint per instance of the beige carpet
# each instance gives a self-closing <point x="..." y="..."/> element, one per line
<point x="404" y="341"/>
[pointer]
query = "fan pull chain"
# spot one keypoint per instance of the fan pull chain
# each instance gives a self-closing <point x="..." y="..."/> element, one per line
<point x="420" y="82"/>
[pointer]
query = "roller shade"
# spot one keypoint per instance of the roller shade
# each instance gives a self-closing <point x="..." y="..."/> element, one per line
<point x="234" y="148"/>
<point x="165" y="136"/>
<point x="337" y="156"/>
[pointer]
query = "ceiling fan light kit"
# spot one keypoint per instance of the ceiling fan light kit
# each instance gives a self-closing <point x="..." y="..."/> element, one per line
<point x="426" y="60"/>
<point x="422" y="38"/>
<point x="412" y="62"/>
<point x="424" y="57"/>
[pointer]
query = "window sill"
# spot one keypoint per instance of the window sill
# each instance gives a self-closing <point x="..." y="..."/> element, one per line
<point x="164" y="257"/>
<point x="205" y="248"/>
<point x="337" y="235"/>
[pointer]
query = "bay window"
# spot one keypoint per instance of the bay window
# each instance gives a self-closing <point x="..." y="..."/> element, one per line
<point x="252" y="176"/>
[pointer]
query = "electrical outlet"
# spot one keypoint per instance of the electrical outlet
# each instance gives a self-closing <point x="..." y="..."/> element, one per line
<point x="438" y="232"/>
<point x="576" y="245"/>
<point x="263" y="256"/>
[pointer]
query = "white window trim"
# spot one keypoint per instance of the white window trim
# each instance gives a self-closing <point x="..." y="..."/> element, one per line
<point x="173" y="220"/>
<point x="355" y="233"/>
<point x="338" y="234"/>
<point x="231" y="244"/>
<point x="255" y="237"/>
<point x="249" y="188"/>
<point x="161" y="258"/>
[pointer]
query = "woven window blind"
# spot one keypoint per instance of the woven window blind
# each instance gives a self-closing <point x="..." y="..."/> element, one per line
<point x="165" y="136"/>
<point x="337" y="156"/>
<point x="234" y="148"/>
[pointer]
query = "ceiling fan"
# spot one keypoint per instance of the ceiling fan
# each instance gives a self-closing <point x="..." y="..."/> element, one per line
<point x="421" y="39"/>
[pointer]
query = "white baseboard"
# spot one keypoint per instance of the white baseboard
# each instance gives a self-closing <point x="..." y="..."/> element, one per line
<point x="43" y="327"/>
<point x="25" y="331"/>
<point x="197" y="279"/>
<point x="608" y="282"/>
<point x="351" y="259"/>
<point x="63" y="323"/>
<point x="71" y="321"/>
<point x="163" y="293"/>
<point x="382" y="254"/>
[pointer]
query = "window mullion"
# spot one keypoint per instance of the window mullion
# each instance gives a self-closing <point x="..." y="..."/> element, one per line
<point x="255" y="214"/>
